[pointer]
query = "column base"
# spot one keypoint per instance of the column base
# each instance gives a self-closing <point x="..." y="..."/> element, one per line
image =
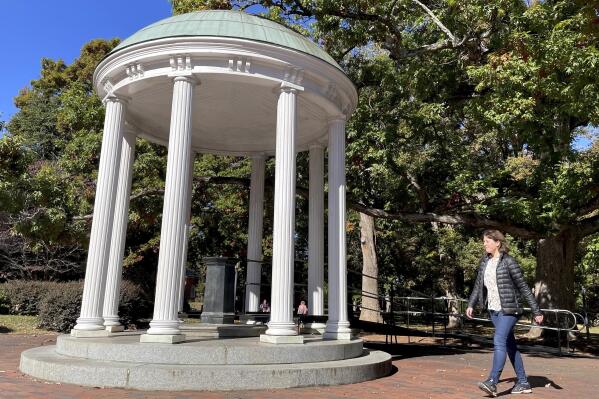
<point x="314" y="328"/>
<point x="338" y="330"/>
<point x="282" y="339"/>
<point x="89" y="333"/>
<point x="164" y="327"/>
<point x="161" y="339"/>
<point x="113" y="329"/>
<point x="281" y="329"/>
<point x="339" y="336"/>
<point x="89" y="324"/>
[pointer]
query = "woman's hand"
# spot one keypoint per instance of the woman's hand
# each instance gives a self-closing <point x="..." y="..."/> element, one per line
<point x="539" y="319"/>
<point x="469" y="312"/>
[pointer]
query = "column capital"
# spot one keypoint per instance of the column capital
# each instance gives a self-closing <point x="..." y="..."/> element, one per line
<point x="337" y="119"/>
<point x="316" y="145"/>
<point x="287" y="87"/>
<point x="115" y="98"/>
<point x="185" y="76"/>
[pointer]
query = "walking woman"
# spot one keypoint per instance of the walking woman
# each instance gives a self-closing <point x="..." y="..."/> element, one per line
<point x="498" y="283"/>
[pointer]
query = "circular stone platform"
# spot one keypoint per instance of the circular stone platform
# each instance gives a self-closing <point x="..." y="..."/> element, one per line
<point x="207" y="351"/>
<point x="203" y="364"/>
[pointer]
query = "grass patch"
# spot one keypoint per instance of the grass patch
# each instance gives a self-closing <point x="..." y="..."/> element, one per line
<point x="17" y="324"/>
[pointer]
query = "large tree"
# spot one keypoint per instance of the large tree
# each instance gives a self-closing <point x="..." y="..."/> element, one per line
<point x="48" y="168"/>
<point x="468" y="114"/>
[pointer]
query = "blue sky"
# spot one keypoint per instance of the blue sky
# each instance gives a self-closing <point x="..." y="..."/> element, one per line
<point x="32" y="29"/>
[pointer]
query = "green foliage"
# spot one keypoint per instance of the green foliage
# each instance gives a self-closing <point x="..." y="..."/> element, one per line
<point x="47" y="172"/>
<point x="35" y="124"/>
<point x="61" y="306"/>
<point x="24" y="297"/>
<point x="4" y="301"/>
<point x="134" y="303"/>
<point x="184" y="6"/>
<point x="587" y="276"/>
<point x="481" y="125"/>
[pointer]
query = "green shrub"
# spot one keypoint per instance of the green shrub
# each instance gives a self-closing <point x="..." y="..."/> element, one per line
<point x="134" y="304"/>
<point x="24" y="297"/>
<point x="592" y="297"/>
<point x="61" y="306"/>
<point x="4" y="302"/>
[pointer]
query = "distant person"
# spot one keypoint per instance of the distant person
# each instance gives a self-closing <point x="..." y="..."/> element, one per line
<point x="302" y="312"/>
<point x="264" y="306"/>
<point x="497" y="285"/>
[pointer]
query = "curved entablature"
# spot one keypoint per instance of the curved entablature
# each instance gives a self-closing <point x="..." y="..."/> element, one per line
<point x="234" y="105"/>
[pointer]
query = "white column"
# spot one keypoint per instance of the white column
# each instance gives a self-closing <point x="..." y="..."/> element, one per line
<point x="186" y="238"/>
<point x="119" y="233"/>
<point x="281" y="328"/>
<point x="337" y="323"/>
<point x="256" y="218"/>
<point x="99" y="241"/>
<point x="316" y="234"/>
<point x="164" y="326"/>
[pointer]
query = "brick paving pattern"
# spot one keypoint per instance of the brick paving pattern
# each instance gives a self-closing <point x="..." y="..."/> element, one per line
<point x="421" y="371"/>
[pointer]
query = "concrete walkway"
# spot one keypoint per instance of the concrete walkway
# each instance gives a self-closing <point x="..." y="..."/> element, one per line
<point x="421" y="371"/>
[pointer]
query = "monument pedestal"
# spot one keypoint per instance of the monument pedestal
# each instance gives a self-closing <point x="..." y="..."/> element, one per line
<point x="219" y="295"/>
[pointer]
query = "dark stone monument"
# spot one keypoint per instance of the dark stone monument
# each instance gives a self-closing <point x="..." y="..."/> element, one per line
<point x="219" y="292"/>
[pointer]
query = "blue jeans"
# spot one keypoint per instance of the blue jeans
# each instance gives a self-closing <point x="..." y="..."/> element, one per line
<point x="504" y="343"/>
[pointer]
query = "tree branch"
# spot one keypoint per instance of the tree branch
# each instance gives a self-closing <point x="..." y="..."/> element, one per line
<point x="463" y="219"/>
<point x="442" y="45"/>
<point x="587" y="227"/>
<point x="393" y="43"/>
<point x="591" y="206"/>
<point x="437" y="21"/>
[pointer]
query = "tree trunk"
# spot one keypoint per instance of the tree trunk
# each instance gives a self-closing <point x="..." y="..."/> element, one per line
<point x="554" y="277"/>
<point x="453" y="308"/>
<point x="453" y="277"/>
<point x="370" y="309"/>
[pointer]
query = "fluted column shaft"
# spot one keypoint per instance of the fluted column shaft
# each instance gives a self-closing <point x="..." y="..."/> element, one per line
<point x="337" y="323"/>
<point x="256" y="219"/>
<point x="316" y="232"/>
<point x="172" y="235"/>
<point x="99" y="241"/>
<point x="119" y="232"/>
<point x="186" y="237"/>
<point x="281" y="316"/>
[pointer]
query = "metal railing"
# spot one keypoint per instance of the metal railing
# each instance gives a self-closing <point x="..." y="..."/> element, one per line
<point x="432" y="308"/>
<point x="421" y="305"/>
<point x="565" y="321"/>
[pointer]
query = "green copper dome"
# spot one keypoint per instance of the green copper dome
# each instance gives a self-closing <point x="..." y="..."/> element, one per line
<point x="227" y="24"/>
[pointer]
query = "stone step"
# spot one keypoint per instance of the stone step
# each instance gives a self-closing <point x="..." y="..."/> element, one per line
<point x="199" y="351"/>
<point x="45" y="363"/>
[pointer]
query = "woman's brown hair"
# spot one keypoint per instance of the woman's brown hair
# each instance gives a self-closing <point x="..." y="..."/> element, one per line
<point x="497" y="235"/>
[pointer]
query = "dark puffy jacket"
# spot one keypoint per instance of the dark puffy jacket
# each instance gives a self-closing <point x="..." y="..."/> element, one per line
<point x="510" y="282"/>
